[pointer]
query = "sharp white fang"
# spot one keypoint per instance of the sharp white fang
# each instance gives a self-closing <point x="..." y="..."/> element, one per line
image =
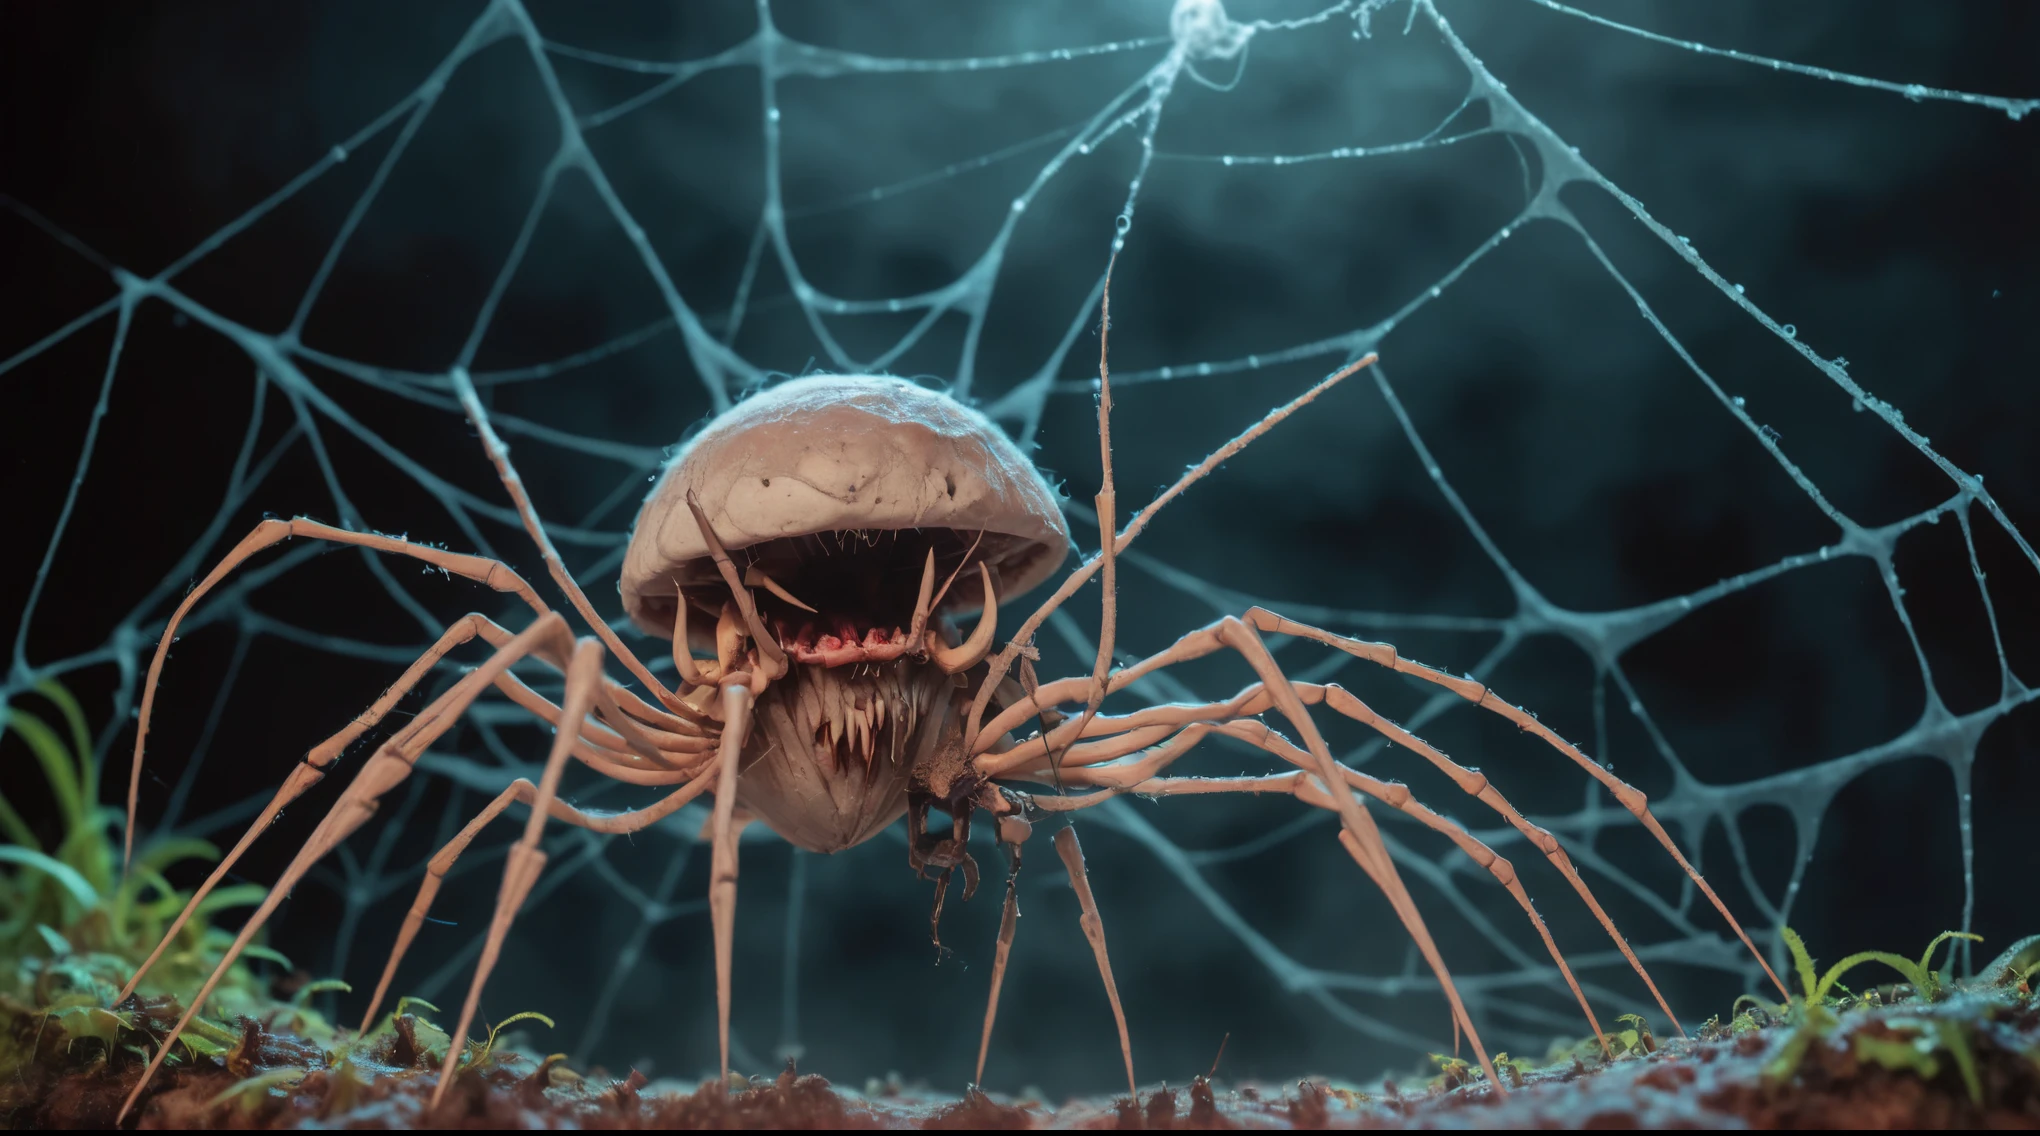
<point x="753" y="578"/>
<point x="730" y="634"/>
<point x="810" y="702"/>
<point x="973" y="650"/>
<point x="683" y="659"/>
<point x="921" y="604"/>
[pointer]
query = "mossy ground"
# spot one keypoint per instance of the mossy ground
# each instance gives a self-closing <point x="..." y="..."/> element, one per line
<point x="1890" y="1065"/>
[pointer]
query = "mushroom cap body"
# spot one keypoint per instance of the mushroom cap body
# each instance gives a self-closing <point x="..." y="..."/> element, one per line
<point x="837" y="453"/>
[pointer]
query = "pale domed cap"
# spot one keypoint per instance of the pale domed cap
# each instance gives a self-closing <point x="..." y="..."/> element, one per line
<point x="831" y="453"/>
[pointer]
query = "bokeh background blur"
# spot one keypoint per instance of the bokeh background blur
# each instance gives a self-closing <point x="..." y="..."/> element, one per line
<point x="1899" y="233"/>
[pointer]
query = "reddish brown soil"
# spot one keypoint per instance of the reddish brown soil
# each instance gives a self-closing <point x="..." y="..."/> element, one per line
<point x="1712" y="1083"/>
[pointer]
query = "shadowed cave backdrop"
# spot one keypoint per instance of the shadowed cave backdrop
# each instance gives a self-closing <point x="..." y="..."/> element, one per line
<point x="1897" y="232"/>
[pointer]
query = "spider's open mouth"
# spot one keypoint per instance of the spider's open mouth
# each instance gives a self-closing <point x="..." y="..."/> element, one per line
<point x="845" y="641"/>
<point x="836" y="598"/>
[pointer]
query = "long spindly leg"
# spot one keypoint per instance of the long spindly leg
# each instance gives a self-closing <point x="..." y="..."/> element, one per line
<point x="1009" y="924"/>
<point x="1139" y="776"/>
<point x="1367" y="847"/>
<point x="722" y="875"/>
<point x="1072" y="854"/>
<point x="603" y="748"/>
<point x="312" y="769"/>
<point x="520" y="791"/>
<point x="999" y="664"/>
<point x="1632" y="798"/>
<point x="1107" y="504"/>
<point x="740" y="690"/>
<point x="1143" y="727"/>
<point x="1219" y="635"/>
<point x="493" y="573"/>
<point x="1476" y="784"/>
<point x="686" y="719"/>
<point x="499" y="455"/>
<point x="385" y="769"/>
<point x="525" y="860"/>
<point x="1365" y="843"/>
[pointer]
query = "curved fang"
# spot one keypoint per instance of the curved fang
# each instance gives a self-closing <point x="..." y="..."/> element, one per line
<point x="973" y="650"/>
<point x="960" y="565"/>
<point x="768" y="647"/>
<point x="754" y="578"/>
<point x="683" y="659"/>
<point x="730" y="635"/>
<point x="925" y="600"/>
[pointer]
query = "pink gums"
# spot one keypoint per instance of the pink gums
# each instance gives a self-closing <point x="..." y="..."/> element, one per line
<point x="845" y="645"/>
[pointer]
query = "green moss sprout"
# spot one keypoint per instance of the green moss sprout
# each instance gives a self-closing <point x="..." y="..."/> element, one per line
<point x="75" y="929"/>
<point x="1813" y="1011"/>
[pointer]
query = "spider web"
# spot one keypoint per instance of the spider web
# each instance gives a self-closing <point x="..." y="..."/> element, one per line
<point x="1142" y="138"/>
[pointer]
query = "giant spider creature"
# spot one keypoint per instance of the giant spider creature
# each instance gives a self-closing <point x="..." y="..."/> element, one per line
<point x="839" y="696"/>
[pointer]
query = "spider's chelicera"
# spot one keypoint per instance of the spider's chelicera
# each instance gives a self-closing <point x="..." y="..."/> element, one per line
<point x="815" y="545"/>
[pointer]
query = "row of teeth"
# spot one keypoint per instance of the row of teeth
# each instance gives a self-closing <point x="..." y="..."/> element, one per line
<point x="732" y="630"/>
<point x="845" y="636"/>
<point x="853" y="709"/>
<point x="950" y="659"/>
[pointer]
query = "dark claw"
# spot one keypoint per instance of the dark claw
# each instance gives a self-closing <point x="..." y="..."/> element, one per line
<point x="935" y="917"/>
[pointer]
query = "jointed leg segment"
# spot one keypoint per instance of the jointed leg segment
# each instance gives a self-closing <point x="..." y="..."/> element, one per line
<point x="499" y="456"/>
<point x="1072" y="854"/>
<point x="1383" y="654"/>
<point x="1363" y="840"/>
<point x="1009" y="921"/>
<point x="613" y="730"/>
<point x="525" y="859"/>
<point x="390" y="765"/>
<point x="722" y="886"/>
<point x="1152" y="724"/>
<point x="1172" y="730"/>
<point x="493" y="573"/>
<point x="520" y="791"/>
<point x="1140" y="777"/>
<point x="312" y="769"/>
<point x="1142" y="727"/>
